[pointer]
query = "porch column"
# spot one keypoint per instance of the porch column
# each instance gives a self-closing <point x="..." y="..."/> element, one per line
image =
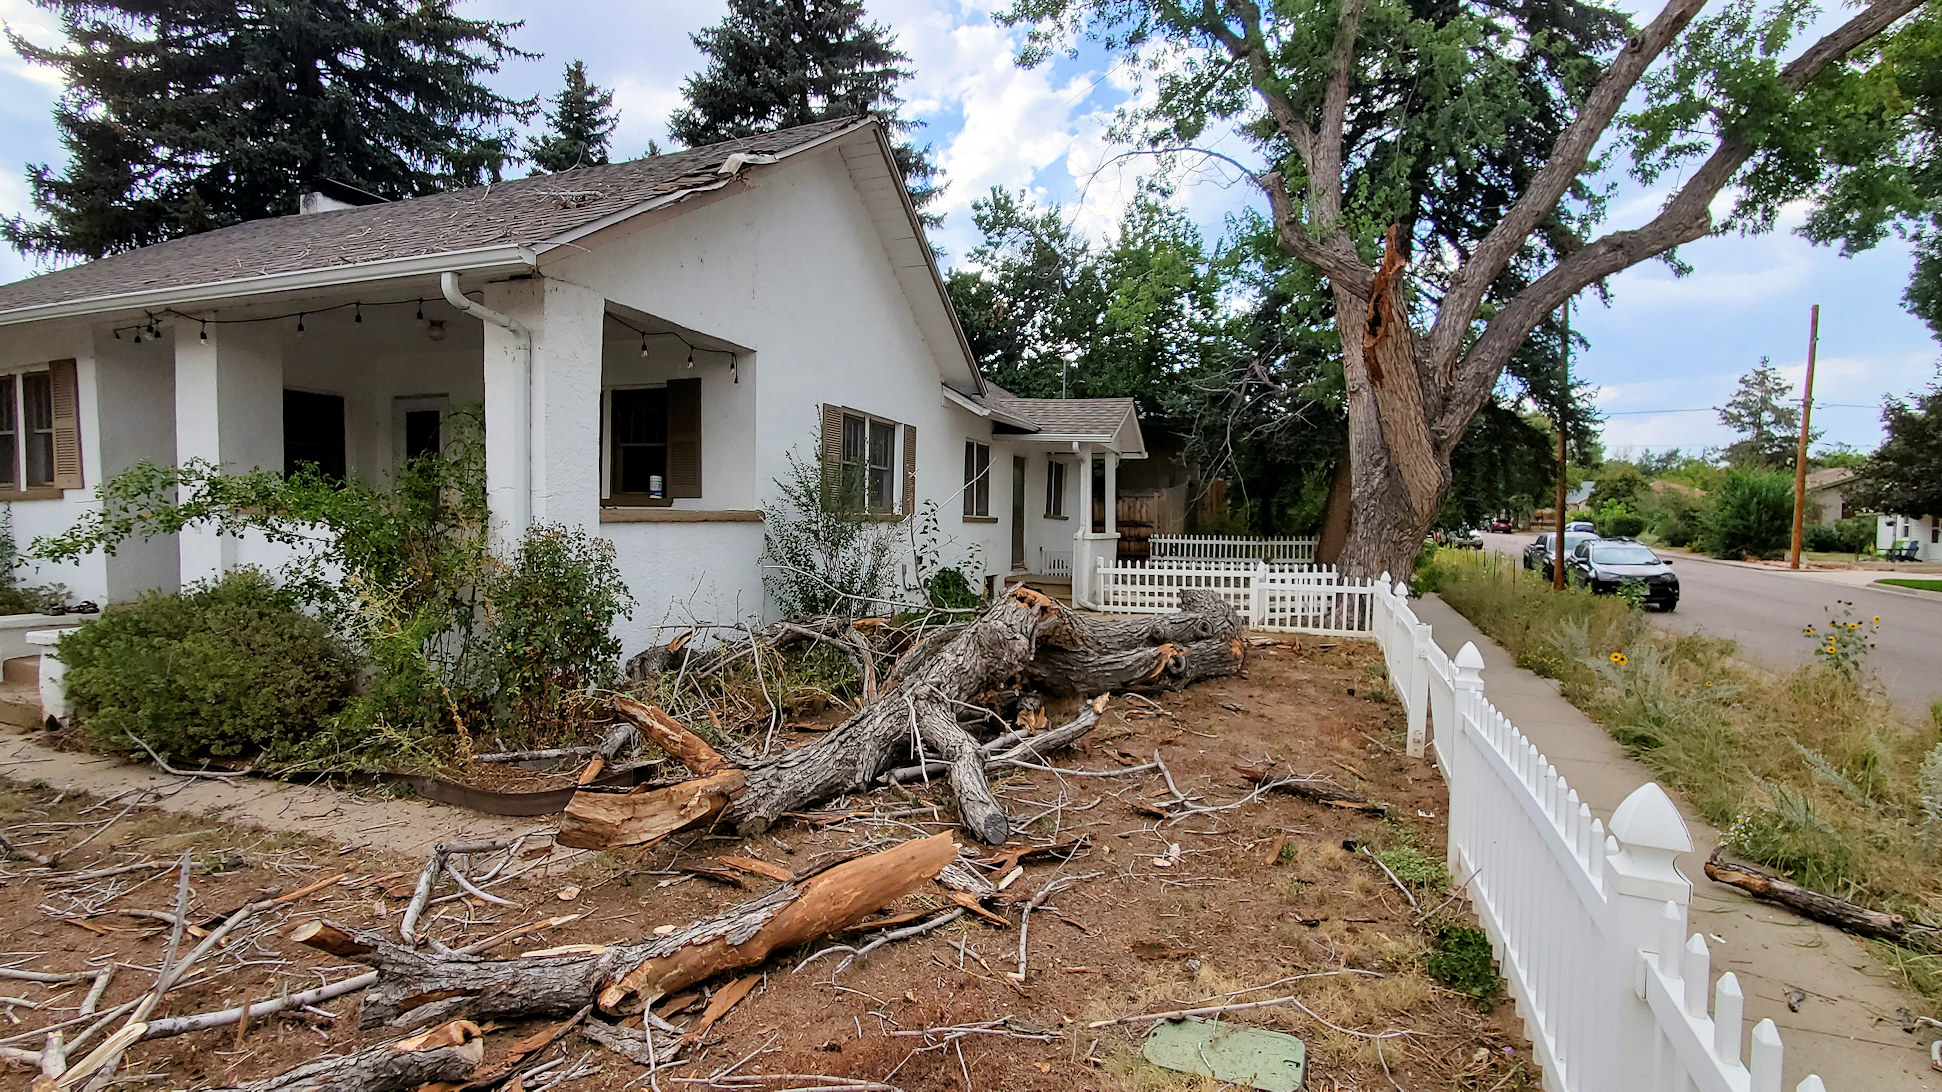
<point x="1112" y="492"/>
<point x="228" y="411"/>
<point x="543" y="427"/>
<point x="1082" y="537"/>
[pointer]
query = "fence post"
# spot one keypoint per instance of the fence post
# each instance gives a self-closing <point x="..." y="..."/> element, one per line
<point x="1417" y="701"/>
<point x="1647" y="834"/>
<point x="1257" y="594"/>
<point x="1467" y="682"/>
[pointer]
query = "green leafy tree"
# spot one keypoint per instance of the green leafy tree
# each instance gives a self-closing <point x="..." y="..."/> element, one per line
<point x="1357" y="111"/>
<point x="1766" y="414"/>
<point x="1904" y="476"/>
<point x="579" y="125"/>
<point x="1617" y="482"/>
<point x="777" y="65"/>
<point x="181" y="117"/>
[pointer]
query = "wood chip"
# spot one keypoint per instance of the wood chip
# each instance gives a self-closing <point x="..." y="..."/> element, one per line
<point x="725" y="998"/>
<point x="780" y="873"/>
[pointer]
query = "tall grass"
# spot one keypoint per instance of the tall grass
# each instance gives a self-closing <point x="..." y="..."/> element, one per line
<point x="1809" y="772"/>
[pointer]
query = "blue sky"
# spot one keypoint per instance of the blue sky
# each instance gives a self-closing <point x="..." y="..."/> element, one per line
<point x="1665" y="344"/>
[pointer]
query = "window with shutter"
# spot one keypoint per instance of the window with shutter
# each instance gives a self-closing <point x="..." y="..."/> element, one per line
<point x="861" y="465"/>
<point x="653" y="443"/>
<point x="977" y="478"/>
<point x="40" y="432"/>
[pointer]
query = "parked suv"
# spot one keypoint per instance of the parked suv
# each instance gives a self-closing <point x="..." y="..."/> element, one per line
<point x="1540" y="553"/>
<point x="1607" y="564"/>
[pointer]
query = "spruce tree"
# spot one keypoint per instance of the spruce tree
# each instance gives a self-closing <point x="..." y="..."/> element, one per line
<point x="580" y="124"/>
<point x="773" y="65"/>
<point x="181" y="116"/>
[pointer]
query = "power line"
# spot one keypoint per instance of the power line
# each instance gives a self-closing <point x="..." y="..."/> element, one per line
<point x="1715" y="409"/>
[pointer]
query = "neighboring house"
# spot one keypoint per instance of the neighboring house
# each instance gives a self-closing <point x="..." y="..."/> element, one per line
<point x="1924" y="531"/>
<point x="1826" y="494"/>
<point x="648" y="340"/>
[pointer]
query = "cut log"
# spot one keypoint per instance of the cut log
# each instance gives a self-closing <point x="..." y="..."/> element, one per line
<point x="917" y="718"/>
<point x="1843" y="915"/>
<point x="416" y="987"/>
<point x="447" y="1053"/>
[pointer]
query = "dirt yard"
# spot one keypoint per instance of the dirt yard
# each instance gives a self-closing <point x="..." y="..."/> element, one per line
<point x="1175" y="906"/>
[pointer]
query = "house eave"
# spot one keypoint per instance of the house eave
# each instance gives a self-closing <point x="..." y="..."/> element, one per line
<point x="481" y="260"/>
<point x="965" y="401"/>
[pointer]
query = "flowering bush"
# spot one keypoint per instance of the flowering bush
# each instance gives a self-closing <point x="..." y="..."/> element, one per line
<point x="1843" y="641"/>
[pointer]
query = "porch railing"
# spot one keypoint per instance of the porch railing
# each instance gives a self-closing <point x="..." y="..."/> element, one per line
<point x="1218" y="547"/>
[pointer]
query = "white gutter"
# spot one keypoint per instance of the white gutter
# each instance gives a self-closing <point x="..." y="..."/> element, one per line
<point x="304" y="280"/>
<point x="521" y="515"/>
<point x="952" y="394"/>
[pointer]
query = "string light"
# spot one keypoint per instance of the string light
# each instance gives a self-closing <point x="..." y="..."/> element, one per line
<point x="300" y="315"/>
<point x="643" y="344"/>
<point x="205" y="329"/>
<point x="420" y="316"/>
<point x="359" y="315"/>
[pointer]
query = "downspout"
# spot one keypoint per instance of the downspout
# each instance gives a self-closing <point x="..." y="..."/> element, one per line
<point x="522" y="515"/>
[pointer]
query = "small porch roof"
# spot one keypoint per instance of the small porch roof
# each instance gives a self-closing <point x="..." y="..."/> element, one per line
<point x="1108" y="424"/>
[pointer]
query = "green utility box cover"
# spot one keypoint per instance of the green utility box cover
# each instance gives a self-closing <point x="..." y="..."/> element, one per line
<point x="1231" y="1053"/>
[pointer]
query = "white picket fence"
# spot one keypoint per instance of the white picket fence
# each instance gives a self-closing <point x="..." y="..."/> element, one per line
<point x="1285" y="596"/>
<point x="1589" y="925"/>
<point x="1216" y="547"/>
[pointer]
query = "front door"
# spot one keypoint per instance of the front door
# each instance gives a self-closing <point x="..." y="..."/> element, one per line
<point x="1017" y="513"/>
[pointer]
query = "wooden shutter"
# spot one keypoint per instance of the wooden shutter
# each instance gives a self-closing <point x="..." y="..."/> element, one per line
<point x="910" y="470"/>
<point x="832" y="451"/>
<point x="684" y="438"/>
<point x="65" y="394"/>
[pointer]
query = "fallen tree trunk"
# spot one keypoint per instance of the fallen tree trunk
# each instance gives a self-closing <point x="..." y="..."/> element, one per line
<point x="917" y="719"/>
<point x="1844" y="915"/>
<point x="417" y="987"/>
<point x="447" y="1053"/>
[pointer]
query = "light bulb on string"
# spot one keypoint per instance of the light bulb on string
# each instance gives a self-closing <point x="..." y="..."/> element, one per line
<point x="205" y="330"/>
<point x="358" y="314"/>
<point x="300" y="322"/>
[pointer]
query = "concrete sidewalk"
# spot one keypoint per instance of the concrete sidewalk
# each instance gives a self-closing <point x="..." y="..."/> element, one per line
<point x="1848" y="1028"/>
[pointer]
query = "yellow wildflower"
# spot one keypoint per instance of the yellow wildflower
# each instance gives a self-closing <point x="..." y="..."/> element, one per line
<point x="1619" y="659"/>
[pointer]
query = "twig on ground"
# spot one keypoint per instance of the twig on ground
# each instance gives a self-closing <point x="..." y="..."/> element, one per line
<point x="1025" y="920"/>
<point x="1244" y="1006"/>
<point x="1392" y="878"/>
<point x="219" y="775"/>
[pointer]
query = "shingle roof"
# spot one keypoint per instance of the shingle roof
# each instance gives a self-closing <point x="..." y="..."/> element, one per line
<point x="1829" y="476"/>
<point x="520" y="212"/>
<point x="1080" y="418"/>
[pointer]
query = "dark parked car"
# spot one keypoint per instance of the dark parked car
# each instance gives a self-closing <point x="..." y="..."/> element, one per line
<point x="1540" y="553"/>
<point x="1607" y="564"/>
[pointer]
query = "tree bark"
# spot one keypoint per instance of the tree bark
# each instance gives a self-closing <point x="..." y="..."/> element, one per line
<point x="1023" y="633"/>
<point x="416" y="988"/>
<point x="447" y="1053"/>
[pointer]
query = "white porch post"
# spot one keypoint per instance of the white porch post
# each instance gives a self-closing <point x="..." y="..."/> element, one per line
<point x="542" y="430"/>
<point x="1112" y="493"/>
<point x="228" y="411"/>
<point x="1082" y="537"/>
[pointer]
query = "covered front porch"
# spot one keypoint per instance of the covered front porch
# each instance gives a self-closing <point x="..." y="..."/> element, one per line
<point x="587" y="413"/>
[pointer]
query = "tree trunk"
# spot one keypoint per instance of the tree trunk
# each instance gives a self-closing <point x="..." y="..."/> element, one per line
<point x="416" y="988"/>
<point x="1399" y="469"/>
<point x="1023" y="633"/>
<point x="1338" y="513"/>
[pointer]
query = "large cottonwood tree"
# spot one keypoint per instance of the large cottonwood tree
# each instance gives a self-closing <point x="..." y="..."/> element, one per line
<point x="1356" y="107"/>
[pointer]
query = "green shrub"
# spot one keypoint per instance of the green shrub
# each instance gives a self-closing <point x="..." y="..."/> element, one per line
<point x="820" y="556"/>
<point x="1753" y="515"/>
<point x="1617" y="520"/>
<point x="550" y="621"/>
<point x="1853" y="535"/>
<point x="1676" y="517"/>
<point x="228" y="668"/>
<point x="15" y="597"/>
<point x="1428" y="575"/>
<point x="1461" y="959"/>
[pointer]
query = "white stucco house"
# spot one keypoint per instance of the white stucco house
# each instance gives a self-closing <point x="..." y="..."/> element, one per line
<point x="1924" y="533"/>
<point x="648" y="341"/>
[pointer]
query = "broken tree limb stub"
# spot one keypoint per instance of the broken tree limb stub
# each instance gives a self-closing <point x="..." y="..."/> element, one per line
<point x="447" y="1053"/>
<point x="417" y="987"/>
<point x="916" y="718"/>
<point x="671" y="736"/>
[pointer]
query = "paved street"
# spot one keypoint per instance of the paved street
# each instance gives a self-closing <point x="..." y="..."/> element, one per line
<point x="1766" y="610"/>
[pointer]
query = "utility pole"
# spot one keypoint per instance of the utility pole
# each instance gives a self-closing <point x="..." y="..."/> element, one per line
<point x="1564" y="412"/>
<point x="1800" y="452"/>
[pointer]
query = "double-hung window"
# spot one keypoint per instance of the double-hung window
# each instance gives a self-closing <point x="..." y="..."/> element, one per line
<point x="977" y="478"/>
<point x="861" y="456"/>
<point x="40" y="447"/>
<point x="1054" y="488"/>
